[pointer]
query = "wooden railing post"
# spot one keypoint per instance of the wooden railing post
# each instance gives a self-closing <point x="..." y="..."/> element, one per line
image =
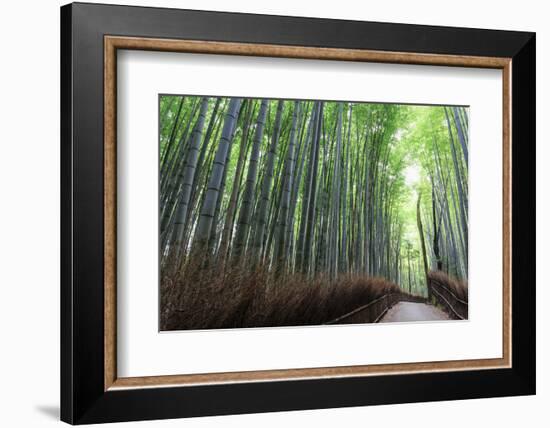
<point x="454" y="306"/>
<point x="375" y="310"/>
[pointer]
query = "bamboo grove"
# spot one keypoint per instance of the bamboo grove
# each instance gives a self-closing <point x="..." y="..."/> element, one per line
<point x="313" y="188"/>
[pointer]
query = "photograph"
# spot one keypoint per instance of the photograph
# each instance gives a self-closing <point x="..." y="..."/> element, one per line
<point x="257" y="210"/>
<point x="281" y="212"/>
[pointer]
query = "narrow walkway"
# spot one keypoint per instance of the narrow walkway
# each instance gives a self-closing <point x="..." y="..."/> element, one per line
<point x="407" y="311"/>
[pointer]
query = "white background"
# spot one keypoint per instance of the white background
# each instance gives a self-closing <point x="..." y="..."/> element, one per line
<point x="142" y="351"/>
<point x="29" y="226"/>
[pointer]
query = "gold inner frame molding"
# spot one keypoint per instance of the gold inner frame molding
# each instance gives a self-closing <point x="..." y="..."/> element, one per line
<point x="113" y="43"/>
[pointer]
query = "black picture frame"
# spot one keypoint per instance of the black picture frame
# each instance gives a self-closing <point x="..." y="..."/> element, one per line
<point x="83" y="398"/>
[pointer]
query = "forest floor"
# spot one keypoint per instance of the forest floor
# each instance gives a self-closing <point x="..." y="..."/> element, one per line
<point x="407" y="311"/>
<point x="199" y="297"/>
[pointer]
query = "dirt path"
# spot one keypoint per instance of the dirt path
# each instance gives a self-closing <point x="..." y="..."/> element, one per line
<point x="406" y="311"/>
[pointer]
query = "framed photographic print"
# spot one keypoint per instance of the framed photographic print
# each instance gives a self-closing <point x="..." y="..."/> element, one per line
<point x="265" y="213"/>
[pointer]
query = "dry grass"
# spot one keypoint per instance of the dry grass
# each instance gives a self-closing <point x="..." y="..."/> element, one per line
<point x="201" y="298"/>
<point x="458" y="287"/>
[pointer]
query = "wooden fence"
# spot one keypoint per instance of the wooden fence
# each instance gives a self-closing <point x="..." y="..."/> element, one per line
<point x="453" y="305"/>
<point x="375" y="310"/>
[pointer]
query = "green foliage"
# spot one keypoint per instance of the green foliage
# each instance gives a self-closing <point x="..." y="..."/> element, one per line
<point x="361" y="189"/>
